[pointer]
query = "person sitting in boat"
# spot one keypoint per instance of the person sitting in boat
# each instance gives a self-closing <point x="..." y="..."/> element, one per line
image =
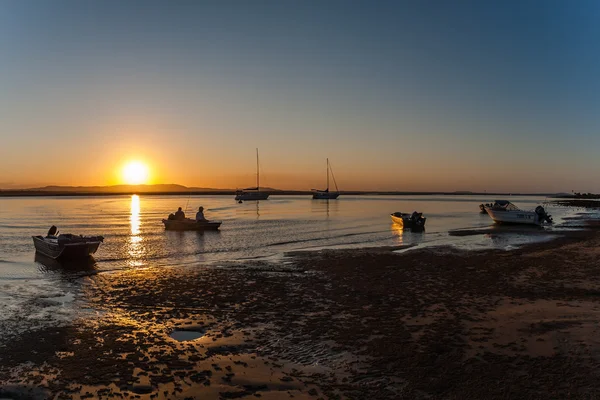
<point x="179" y="214"/>
<point x="200" y="215"/>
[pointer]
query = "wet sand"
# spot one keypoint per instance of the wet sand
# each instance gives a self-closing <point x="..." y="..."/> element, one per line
<point x="359" y="324"/>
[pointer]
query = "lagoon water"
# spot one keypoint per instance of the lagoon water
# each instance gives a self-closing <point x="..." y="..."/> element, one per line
<point x="135" y="236"/>
<point x="38" y="289"/>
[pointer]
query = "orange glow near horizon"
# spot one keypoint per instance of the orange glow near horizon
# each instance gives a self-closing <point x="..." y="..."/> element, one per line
<point x="135" y="173"/>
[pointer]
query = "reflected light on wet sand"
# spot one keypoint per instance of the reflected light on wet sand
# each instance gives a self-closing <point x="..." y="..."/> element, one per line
<point x="398" y="231"/>
<point x="136" y="248"/>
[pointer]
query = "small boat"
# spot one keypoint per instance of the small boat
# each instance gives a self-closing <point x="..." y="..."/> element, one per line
<point x="190" y="225"/>
<point x="252" y="193"/>
<point x="505" y="212"/>
<point x="66" y="246"/>
<point x="413" y="221"/>
<point x="326" y="194"/>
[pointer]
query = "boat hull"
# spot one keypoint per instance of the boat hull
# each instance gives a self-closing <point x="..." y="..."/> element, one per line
<point x="252" y="196"/>
<point x="64" y="265"/>
<point x="325" y="195"/>
<point x="68" y="251"/>
<point x="190" y="225"/>
<point x="514" y="217"/>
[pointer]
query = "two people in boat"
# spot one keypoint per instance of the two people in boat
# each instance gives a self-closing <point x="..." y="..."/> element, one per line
<point x="180" y="215"/>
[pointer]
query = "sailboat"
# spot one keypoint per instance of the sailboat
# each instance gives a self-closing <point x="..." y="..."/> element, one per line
<point x="252" y="193"/>
<point x="326" y="194"/>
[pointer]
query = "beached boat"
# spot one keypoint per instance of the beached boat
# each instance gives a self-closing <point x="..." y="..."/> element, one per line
<point x="505" y="212"/>
<point x="326" y="194"/>
<point x="66" y="246"/>
<point x="190" y="225"/>
<point x="413" y="221"/>
<point x="252" y="193"/>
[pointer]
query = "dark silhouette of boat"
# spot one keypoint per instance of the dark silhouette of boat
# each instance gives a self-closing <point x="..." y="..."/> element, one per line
<point x="190" y="225"/>
<point x="85" y="265"/>
<point x="414" y="221"/>
<point x="66" y="246"/>
<point x="326" y="194"/>
<point x="252" y="193"/>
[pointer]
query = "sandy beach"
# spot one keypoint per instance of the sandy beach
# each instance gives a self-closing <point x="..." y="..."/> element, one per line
<point x="360" y="324"/>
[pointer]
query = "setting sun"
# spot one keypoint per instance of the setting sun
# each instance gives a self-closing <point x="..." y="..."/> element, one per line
<point x="135" y="173"/>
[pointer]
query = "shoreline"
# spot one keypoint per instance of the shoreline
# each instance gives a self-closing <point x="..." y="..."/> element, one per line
<point x="345" y="323"/>
<point x="40" y="193"/>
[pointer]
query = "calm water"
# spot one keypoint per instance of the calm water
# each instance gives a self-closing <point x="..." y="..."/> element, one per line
<point x="135" y="237"/>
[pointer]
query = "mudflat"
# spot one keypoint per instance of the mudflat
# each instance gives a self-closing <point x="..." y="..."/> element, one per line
<point x="360" y="324"/>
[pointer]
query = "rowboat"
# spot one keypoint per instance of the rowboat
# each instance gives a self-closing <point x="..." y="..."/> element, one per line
<point x="191" y="225"/>
<point x="413" y="221"/>
<point x="505" y="212"/>
<point x="67" y="246"/>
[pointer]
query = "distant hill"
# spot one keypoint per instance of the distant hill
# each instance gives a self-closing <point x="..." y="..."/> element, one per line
<point x="119" y="189"/>
<point x="174" y="189"/>
<point x="124" y="189"/>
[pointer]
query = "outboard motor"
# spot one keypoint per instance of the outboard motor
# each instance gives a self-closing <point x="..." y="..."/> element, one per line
<point x="52" y="231"/>
<point x="539" y="210"/>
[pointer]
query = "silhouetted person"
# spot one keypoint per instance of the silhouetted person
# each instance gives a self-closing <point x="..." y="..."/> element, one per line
<point x="200" y="215"/>
<point x="179" y="214"/>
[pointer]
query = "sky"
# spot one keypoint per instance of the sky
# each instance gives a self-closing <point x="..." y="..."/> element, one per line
<point x="399" y="95"/>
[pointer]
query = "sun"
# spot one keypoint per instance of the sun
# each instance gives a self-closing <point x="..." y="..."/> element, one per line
<point x="135" y="173"/>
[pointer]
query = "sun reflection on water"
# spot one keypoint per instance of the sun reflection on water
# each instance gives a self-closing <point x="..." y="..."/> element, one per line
<point x="136" y="247"/>
<point x="398" y="231"/>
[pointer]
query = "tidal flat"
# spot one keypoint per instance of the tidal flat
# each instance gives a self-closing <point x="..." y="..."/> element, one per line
<point x="436" y="322"/>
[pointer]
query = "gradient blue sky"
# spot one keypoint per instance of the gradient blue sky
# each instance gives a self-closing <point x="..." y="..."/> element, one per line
<point x="420" y="95"/>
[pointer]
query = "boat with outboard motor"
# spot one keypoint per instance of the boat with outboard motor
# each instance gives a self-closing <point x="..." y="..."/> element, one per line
<point x="505" y="212"/>
<point x="414" y="221"/>
<point x="66" y="246"/>
<point x="189" y="224"/>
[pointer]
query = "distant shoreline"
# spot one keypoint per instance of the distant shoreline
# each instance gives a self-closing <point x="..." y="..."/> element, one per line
<point x="42" y="193"/>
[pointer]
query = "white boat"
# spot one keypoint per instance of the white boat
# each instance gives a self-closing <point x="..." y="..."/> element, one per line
<point x="326" y="194"/>
<point x="505" y="212"/>
<point x="252" y="193"/>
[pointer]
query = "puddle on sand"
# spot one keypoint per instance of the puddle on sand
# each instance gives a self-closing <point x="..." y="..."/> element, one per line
<point x="183" y="336"/>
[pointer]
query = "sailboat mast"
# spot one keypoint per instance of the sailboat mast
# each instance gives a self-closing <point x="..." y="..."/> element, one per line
<point x="328" y="174"/>
<point x="257" y="173"/>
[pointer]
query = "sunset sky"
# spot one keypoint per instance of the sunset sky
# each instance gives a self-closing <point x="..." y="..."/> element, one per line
<point x="416" y="95"/>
